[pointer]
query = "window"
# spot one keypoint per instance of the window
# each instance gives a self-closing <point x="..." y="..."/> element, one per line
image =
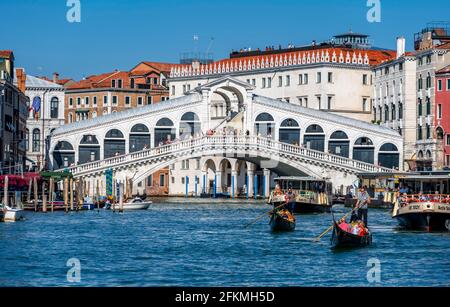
<point x="330" y="77"/>
<point x="439" y="85"/>
<point x="319" y="102"/>
<point x="364" y="105"/>
<point x="140" y="101"/>
<point x="119" y="83"/>
<point x="419" y="133"/>
<point x="162" y="180"/>
<point x="428" y="81"/>
<point x="448" y="139"/>
<point x="428" y="131"/>
<point x="288" y="80"/>
<point x="364" y="79"/>
<point x="132" y="83"/>
<point x="330" y="98"/>
<point x="393" y="113"/>
<point x="183" y="180"/>
<point x="149" y="99"/>
<point x="300" y="79"/>
<point x="269" y="82"/>
<point x="105" y="100"/>
<point x="197" y="166"/>
<point x="305" y="79"/>
<point x="113" y="83"/>
<point x="386" y="71"/>
<point x="448" y="84"/>
<point x="248" y="81"/>
<point x="114" y="100"/>
<point x="428" y="106"/>
<point x="54" y="103"/>
<point x="36" y="140"/>
<point x="420" y="108"/>
<point x="150" y="181"/>
<point x="400" y="67"/>
<point x="184" y="88"/>
<point x="280" y="81"/>
<point x="420" y="84"/>
<point x="148" y="80"/>
<point x="400" y="110"/>
<point x="86" y="101"/>
<point x="78" y="101"/>
<point x="319" y="77"/>
<point x="127" y="100"/>
<point x="70" y="102"/>
<point x="185" y="165"/>
<point x="439" y="111"/>
<point x="27" y="140"/>
<point x="263" y="82"/>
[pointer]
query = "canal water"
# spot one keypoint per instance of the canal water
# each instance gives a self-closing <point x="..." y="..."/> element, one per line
<point x="181" y="242"/>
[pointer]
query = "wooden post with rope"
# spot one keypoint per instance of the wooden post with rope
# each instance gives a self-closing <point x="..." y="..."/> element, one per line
<point x="66" y="194"/>
<point x="71" y="194"/>
<point x="44" y="198"/>
<point x="50" y="194"/>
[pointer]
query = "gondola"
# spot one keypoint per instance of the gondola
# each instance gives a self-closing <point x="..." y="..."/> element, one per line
<point x="280" y="222"/>
<point x="344" y="239"/>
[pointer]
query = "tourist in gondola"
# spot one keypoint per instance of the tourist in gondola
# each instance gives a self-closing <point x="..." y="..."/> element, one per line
<point x="290" y="200"/>
<point x="362" y="205"/>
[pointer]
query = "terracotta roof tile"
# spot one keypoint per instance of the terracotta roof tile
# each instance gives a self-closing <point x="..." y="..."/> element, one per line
<point x="5" y="53"/>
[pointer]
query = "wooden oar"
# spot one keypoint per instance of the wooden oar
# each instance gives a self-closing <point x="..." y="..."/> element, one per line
<point x="331" y="227"/>
<point x="248" y="225"/>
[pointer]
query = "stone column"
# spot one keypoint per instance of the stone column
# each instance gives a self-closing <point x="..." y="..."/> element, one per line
<point x="219" y="182"/>
<point x="234" y="184"/>
<point x="204" y="182"/>
<point x="267" y="183"/>
<point x="251" y="178"/>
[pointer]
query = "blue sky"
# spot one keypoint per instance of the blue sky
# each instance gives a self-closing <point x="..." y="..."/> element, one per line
<point x="117" y="34"/>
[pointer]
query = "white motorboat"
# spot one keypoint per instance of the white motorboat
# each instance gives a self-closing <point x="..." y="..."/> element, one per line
<point x="11" y="214"/>
<point x="135" y="204"/>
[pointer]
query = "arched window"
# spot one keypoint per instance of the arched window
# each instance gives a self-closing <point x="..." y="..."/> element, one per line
<point x="314" y="138"/>
<point x="89" y="149"/>
<point x="54" y="105"/>
<point x="440" y="133"/>
<point x="264" y="117"/>
<point x="364" y="150"/>
<point x="420" y="154"/>
<point x="189" y="125"/>
<point x="389" y="156"/>
<point x="63" y="155"/>
<point x="36" y="147"/>
<point x="114" y="144"/>
<point x="165" y="132"/>
<point x="339" y="144"/>
<point x="290" y="132"/>
<point x="139" y="138"/>
<point x="265" y="125"/>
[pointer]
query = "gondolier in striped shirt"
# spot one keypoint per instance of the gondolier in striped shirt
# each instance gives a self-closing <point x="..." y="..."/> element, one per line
<point x="362" y="205"/>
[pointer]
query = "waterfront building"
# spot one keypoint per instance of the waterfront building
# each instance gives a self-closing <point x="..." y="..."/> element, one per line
<point x="334" y="76"/>
<point x="394" y="97"/>
<point x="13" y="115"/>
<point x="442" y="113"/>
<point x="432" y="54"/>
<point x="46" y="113"/>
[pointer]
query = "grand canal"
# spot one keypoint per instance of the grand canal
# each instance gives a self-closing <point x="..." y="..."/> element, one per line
<point x="204" y="243"/>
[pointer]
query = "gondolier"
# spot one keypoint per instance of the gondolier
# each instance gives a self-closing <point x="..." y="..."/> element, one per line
<point x="290" y="200"/>
<point x="362" y="205"/>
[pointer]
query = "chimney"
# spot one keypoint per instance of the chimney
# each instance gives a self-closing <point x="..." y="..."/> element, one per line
<point x="401" y="46"/>
<point x="21" y="79"/>
<point x="55" y="77"/>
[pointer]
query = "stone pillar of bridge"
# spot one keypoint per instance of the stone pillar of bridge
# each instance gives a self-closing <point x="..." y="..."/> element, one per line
<point x="266" y="183"/>
<point x="204" y="182"/>
<point x="219" y="182"/>
<point x="234" y="183"/>
<point x="206" y="109"/>
<point x="250" y="180"/>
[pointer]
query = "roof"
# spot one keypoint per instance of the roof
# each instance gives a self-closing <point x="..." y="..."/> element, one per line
<point x="131" y="113"/>
<point x="153" y="66"/>
<point x="443" y="46"/>
<point x="102" y="81"/>
<point x="59" y="81"/>
<point x="35" y="82"/>
<point x="444" y="70"/>
<point x="6" y="54"/>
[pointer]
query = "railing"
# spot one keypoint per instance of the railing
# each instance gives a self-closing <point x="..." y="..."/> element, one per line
<point x="225" y="144"/>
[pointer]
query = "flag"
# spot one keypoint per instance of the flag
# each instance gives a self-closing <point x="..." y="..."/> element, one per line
<point x="36" y="106"/>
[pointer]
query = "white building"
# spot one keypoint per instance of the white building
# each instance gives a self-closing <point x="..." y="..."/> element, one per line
<point x="329" y="77"/>
<point x="50" y="97"/>
<point x="394" y="104"/>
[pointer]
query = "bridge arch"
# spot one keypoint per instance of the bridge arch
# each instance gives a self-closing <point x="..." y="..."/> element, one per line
<point x="339" y="144"/>
<point x="364" y="150"/>
<point x="88" y="149"/>
<point x="139" y="138"/>
<point x="113" y="144"/>
<point x="389" y="156"/>
<point x="314" y="138"/>
<point x="63" y="154"/>
<point x="165" y="131"/>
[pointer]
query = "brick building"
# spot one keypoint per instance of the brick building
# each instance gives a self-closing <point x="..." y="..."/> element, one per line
<point x="442" y="113"/>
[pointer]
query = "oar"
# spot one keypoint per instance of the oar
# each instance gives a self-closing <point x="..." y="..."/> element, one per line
<point x="248" y="225"/>
<point x="331" y="227"/>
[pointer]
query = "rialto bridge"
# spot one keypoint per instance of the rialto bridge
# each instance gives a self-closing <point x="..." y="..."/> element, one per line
<point x="252" y="134"/>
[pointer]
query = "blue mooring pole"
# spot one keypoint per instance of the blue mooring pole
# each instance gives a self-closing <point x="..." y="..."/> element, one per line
<point x="232" y="186"/>
<point x="215" y="186"/>
<point x="196" y="184"/>
<point x="256" y="187"/>
<point x="204" y="184"/>
<point x="246" y="185"/>
<point x="187" y="186"/>
<point x="264" y="186"/>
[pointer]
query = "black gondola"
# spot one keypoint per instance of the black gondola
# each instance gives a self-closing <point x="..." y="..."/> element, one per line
<point x="345" y="239"/>
<point x="281" y="222"/>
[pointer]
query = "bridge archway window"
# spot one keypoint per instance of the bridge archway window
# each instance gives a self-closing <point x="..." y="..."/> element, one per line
<point x="139" y="138"/>
<point x="265" y="125"/>
<point x="314" y="138"/>
<point x="189" y="125"/>
<point x="289" y="132"/>
<point x="339" y="144"/>
<point x="114" y="144"/>
<point x="389" y="156"/>
<point x="165" y="132"/>
<point x="364" y="150"/>
<point x="89" y="149"/>
<point x="63" y="155"/>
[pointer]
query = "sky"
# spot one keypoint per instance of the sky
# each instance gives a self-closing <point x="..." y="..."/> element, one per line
<point x="118" y="34"/>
